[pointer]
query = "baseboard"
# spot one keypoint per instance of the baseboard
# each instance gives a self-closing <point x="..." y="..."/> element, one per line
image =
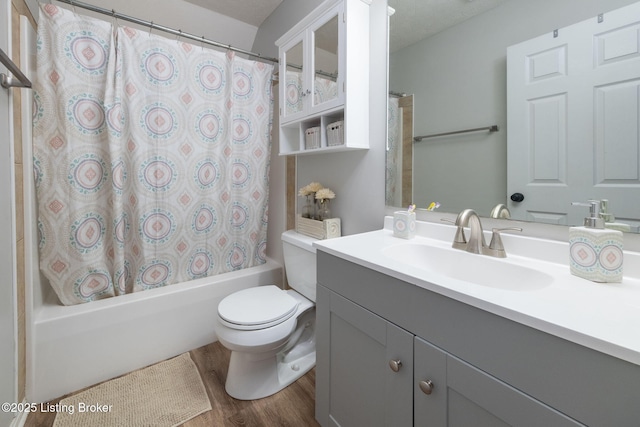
<point x="21" y="418"/>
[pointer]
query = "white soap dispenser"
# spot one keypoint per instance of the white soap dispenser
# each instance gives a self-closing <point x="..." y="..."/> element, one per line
<point x="595" y="252"/>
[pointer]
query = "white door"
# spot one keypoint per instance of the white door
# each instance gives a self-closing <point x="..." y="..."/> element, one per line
<point x="7" y="305"/>
<point x="573" y="105"/>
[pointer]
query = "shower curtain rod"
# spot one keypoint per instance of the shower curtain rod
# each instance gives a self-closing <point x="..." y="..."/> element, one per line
<point x="169" y="30"/>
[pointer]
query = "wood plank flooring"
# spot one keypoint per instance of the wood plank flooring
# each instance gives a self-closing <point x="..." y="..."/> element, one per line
<point x="294" y="406"/>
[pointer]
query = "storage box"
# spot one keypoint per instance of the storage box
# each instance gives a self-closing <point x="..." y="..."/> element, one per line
<point x="335" y="133"/>
<point x="312" y="138"/>
<point x="326" y="229"/>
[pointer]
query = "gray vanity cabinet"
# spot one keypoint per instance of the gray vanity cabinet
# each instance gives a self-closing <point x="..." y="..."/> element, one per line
<point x="357" y="346"/>
<point x="450" y="392"/>
<point x="456" y="365"/>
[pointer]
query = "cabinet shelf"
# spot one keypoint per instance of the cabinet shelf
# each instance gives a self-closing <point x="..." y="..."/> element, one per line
<point x="292" y="135"/>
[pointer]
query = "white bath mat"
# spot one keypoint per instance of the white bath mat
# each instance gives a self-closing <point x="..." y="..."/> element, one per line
<point x="166" y="394"/>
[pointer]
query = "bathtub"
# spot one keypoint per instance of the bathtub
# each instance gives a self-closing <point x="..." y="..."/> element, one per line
<point x="72" y="347"/>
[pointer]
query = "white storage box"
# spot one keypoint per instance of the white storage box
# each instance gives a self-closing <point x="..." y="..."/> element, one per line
<point x="312" y="138"/>
<point x="327" y="229"/>
<point x="335" y="133"/>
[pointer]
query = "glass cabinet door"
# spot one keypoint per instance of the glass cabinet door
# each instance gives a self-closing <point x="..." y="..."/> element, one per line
<point x="295" y="88"/>
<point x="326" y="62"/>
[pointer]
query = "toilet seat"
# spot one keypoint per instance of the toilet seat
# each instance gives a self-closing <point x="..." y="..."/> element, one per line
<point x="257" y="308"/>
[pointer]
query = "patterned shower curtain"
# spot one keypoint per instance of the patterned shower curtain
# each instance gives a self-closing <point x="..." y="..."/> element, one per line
<point x="151" y="158"/>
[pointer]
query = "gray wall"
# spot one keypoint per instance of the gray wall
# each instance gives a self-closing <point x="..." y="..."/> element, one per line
<point x="458" y="77"/>
<point x="356" y="177"/>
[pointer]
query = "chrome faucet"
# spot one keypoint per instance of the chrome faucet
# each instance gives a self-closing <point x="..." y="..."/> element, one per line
<point x="500" y="211"/>
<point x="475" y="244"/>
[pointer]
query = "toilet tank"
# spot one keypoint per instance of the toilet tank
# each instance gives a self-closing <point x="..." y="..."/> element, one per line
<point x="300" y="263"/>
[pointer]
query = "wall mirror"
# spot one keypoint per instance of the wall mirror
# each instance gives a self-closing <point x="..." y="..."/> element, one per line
<point x="294" y="58"/>
<point x="448" y="73"/>
<point x="326" y="61"/>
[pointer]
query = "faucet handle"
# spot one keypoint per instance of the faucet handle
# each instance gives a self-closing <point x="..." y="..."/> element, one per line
<point x="496" y="248"/>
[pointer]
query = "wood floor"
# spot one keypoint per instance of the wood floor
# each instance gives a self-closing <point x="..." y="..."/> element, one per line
<point x="293" y="406"/>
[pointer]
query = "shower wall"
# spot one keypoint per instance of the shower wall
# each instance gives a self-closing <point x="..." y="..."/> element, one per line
<point x="19" y="8"/>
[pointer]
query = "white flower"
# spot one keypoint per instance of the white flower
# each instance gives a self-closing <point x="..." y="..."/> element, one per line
<point x="314" y="187"/>
<point x="304" y="191"/>
<point x="310" y="189"/>
<point x="324" y="194"/>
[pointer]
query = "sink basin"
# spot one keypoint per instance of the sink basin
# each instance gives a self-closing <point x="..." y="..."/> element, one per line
<point x="478" y="269"/>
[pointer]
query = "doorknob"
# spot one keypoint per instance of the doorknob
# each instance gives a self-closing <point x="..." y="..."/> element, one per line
<point x="395" y="365"/>
<point x="517" y="197"/>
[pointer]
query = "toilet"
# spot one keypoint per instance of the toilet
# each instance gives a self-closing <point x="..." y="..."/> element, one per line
<point x="270" y="331"/>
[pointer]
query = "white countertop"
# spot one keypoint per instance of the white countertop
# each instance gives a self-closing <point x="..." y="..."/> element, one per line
<point x="604" y="317"/>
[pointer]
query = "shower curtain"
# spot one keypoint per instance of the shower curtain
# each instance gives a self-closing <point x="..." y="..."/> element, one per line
<point x="151" y="158"/>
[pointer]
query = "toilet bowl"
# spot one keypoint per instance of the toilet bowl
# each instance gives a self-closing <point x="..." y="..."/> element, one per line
<point x="270" y="331"/>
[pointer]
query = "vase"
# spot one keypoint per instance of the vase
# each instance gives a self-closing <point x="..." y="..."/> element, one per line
<point x="308" y="209"/>
<point x="324" y="212"/>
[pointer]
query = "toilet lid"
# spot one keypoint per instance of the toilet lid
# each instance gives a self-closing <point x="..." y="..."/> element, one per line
<point x="257" y="307"/>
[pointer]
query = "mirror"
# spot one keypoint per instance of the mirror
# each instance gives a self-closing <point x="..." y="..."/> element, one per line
<point x="294" y="79"/>
<point x="457" y="76"/>
<point x="325" y="61"/>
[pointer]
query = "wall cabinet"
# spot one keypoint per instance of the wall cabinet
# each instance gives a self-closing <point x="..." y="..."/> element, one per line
<point x="324" y="80"/>
<point x="390" y="353"/>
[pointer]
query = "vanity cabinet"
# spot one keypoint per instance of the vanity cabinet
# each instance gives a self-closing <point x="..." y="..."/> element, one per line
<point x="466" y="396"/>
<point x="457" y="365"/>
<point x="364" y="389"/>
<point x="324" y="80"/>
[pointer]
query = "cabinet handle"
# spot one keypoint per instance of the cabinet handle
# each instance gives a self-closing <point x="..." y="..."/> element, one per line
<point x="395" y="365"/>
<point x="426" y="386"/>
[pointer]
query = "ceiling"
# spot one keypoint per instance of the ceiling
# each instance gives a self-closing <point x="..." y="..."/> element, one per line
<point x="415" y="20"/>
<point x="253" y="12"/>
<point x="412" y="21"/>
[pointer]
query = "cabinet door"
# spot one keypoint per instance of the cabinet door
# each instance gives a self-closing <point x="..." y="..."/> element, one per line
<point x="429" y="385"/>
<point x="292" y="66"/>
<point x="356" y="385"/>
<point x="464" y="395"/>
<point x="327" y="66"/>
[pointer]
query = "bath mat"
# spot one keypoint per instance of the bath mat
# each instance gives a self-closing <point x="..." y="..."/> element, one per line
<point x="166" y="394"/>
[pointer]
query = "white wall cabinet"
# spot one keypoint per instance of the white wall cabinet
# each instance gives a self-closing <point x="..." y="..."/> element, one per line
<point x="324" y="79"/>
<point x="457" y="365"/>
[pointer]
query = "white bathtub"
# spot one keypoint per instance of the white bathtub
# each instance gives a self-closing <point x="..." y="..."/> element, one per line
<point x="71" y="347"/>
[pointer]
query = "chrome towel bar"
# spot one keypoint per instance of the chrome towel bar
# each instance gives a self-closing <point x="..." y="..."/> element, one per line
<point x="493" y="128"/>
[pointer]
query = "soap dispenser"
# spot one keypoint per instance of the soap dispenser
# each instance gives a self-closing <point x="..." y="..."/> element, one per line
<point x="595" y="251"/>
